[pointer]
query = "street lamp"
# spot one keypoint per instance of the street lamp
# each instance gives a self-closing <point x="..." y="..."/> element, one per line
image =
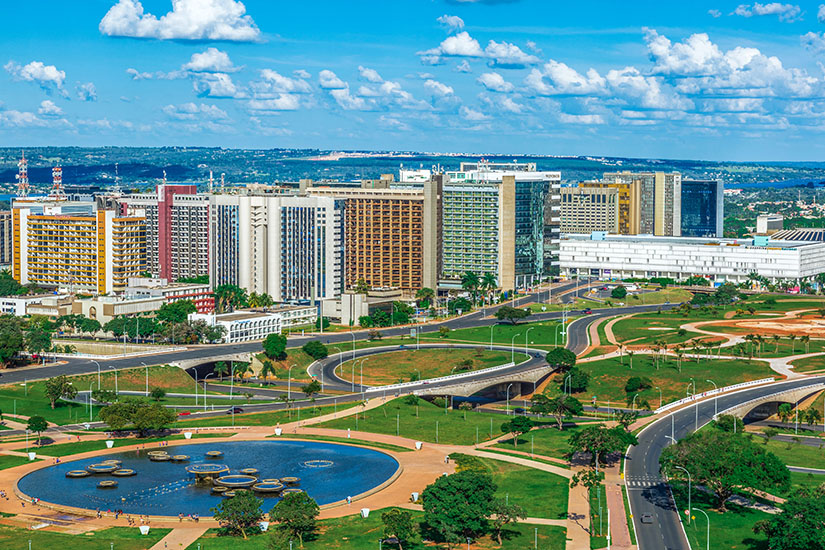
<point x="362" y="372"/>
<point x="715" y="406"/>
<point x="147" y="377"/>
<point x="491" y="336"/>
<point x="98" y="372"/>
<point x="90" y="400"/>
<point x="204" y="389"/>
<point x="556" y="336"/>
<point x="507" y="410"/>
<point x="114" y="369"/>
<point x="707" y="518"/>
<point x="526" y="335"/>
<point x="634" y="401"/>
<point x="660" y="396"/>
<point x="689" y="482"/>
<point x="687" y="390"/>
<point x="353" y="344"/>
<point x="289" y="383"/>
<point x="513" y="347"/>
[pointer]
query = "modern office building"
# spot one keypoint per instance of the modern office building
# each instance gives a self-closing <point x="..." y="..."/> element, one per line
<point x="588" y="209"/>
<point x="199" y="294"/>
<point x="177" y="229"/>
<point x="703" y="208"/>
<point x="391" y="236"/>
<point x="71" y="246"/>
<point x="6" y="240"/>
<point x="286" y="246"/>
<point x="249" y="325"/>
<point x="767" y="224"/>
<point x="719" y="260"/>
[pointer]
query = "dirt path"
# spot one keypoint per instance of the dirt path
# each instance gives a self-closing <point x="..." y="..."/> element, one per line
<point x="179" y="539"/>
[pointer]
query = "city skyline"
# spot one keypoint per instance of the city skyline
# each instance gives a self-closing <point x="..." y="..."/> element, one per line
<point x="729" y="81"/>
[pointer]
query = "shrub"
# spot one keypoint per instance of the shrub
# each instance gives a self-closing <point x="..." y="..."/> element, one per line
<point x="315" y="349"/>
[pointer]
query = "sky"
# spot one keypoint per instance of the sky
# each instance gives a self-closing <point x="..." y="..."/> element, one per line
<point x="695" y="80"/>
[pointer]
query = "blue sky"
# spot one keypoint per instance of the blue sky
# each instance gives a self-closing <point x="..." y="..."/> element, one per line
<point x="717" y="81"/>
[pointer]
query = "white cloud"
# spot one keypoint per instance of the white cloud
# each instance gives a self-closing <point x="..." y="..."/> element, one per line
<point x="511" y="106"/>
<point x="284" y="102"/>
<point x="532" y="46"/>
<point x="451" y="22"/>
<point x="348" y="101"/>
<point x="137" y="75"/>
<point x="274" y="82"/>
<point x="188" y="20"/>
<point x="211" y="60"/>
<point x="366" y="91"/>
<point x="86" y="92"/>
<point x="438" y="88"/>
<point x="20" y="119"/>
<point x="820" y="14"/>
<point x="715" y="13"/>
<point x="48" y="108"/>
<point x="463" y="67"/>
<point x="393" y="123"/>
<point x="564" y="80"/>
<point x="217" y="85"/>
<point x="301" y="73"/>
<point x="785" y="12"/>
<point x="194" y="111"/>
<point x="495" y="82"/>
<point x="370" y="75"/>
<point x="815" y="42"/>
<point x="471" y="114"/>
<point x="328" y="80"/>
<point x="498" y="54"/>
<point x="508" y="56"/>
<point x="581" y="119"/>
<point x="47" y="77"/>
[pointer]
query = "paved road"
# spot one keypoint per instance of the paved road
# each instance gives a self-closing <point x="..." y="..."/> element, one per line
<point x="648" y="492"/>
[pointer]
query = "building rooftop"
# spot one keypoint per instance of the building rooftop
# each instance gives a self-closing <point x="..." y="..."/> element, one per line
<point x="772" y="242"/>
<point x="801" y="234"/>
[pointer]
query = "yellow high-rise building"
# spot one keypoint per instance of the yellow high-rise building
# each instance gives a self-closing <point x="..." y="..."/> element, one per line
<point x="90" y="251"/>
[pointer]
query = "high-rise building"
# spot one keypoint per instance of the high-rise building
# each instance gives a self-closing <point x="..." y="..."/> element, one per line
<point x="703" y="208"/>
<point x="6" y="241"/>
<point x="588" y="209"/>
<point x="176" y="230"/>
<point x="286" y="246"/>
<point x="75" y="247"/>
<point x="391" y="236"/>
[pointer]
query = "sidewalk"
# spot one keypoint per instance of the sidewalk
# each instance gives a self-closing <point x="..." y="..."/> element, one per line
<point x="620" y="534"/>
<point x="179" y="539"/>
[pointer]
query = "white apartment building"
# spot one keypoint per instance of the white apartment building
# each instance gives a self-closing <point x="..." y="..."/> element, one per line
<point x="250" y="325"/>
<point x="720" y="260"/>
<point x="289" y="247"/>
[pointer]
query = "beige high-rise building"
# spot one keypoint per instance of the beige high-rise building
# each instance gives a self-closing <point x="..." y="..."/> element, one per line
<point x="588" y="209"/>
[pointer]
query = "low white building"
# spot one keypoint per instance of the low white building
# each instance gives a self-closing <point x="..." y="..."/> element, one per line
<point x="17" y="305"/>
<point x="720" y="260"/>
<point x="248" y="324"/>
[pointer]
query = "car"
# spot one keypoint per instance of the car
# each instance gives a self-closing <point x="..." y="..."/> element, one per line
<point x="519" y="410"/>
<point x="184" y="413"/>
<point x="234" y="410"/>
<point x="647" y="518"/>
<point x="587" y="311"/>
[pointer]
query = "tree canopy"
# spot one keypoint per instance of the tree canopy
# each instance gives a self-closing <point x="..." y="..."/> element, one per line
<point x="175" y="312"/>
<point x="11" y="338"/>
<point x="799" y="525"/>
<point x="275" y="346"/>
<point x="315" y="349"/>
<point x="230" y="298"/>
<point x="296" y="513"/>
<point x="141" y="414"/>
<point x="512" y="314"/>
<point x="59" y="387"/>
<point x="561" y="358"/>
<point x="457" y="506"/>
<point x="398" y="525"/>
<point x="517" y="426"/>
<point x="560" y="407"/>
<point x="239" y="514"/>
<point x="601" y="442"/>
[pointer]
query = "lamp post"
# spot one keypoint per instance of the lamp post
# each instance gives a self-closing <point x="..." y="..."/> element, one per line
<point x="353" y="344"/>
<point x="491" y="336"/>
<point x="689" y="482"/>
<point x="556" y="335"/>
<point x="507" y="410"/>
<point x="419" y="373"/>
<point x="340" y="360"/>
<point x="196" y="386"/>
<point x="707" y="518"/>
<point x="362" y="371"/>
<point x="634" y="401"/>
<point x="147" y="377"/>
<point x="289" y="383"/>
<point x="114" y="369"/>
<point x="687" y="390"/>
<point x="660" y="396"/>
<point x="715" y="405"/>
<point x="98" y="373"/>
<point x="204" y="388"/>
<point x="513" y="347"/>
<point x="526" y="336"/>
<point x="90" y="400"/>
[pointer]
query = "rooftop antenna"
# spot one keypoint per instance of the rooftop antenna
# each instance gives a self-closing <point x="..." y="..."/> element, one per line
<point x="57" y="193"/>
<point x="164" y="177"/>
<point x="211" y="182"/>
<point x="223" y="182"/>
<point x="22" y="176"/>
<point x="116" y="188"/>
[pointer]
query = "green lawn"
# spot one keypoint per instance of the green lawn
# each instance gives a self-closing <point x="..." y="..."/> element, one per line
<point x="121" y="538"/>
<point x="796" y="454"/>
<point x="608" y="377"/>
<point x="784" y="347"/>
<point x="401" y="366"/>
<point x="172" y="379"/>
<point x="547" y="441"/>
<point x="32" y="401"/>
<point x="332" y="439"/>
<point x="647" y="328"/>
<point x="356" y="533"/>
<point x="731" y="530"/>
<point x="424" y="423"/>
<point x="9" y="461"/>
<point x="541" y="334"/>
<point x="800" y="480"/>
<point x="265" y="418"/>
<point x="520" y="485"/>
<point x="598" y="517"/>
<point x="66" y="449"/>
<point x="810" y="364"/>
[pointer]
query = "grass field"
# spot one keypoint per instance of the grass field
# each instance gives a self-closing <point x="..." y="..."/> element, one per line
<point x="608" y="377"/>
<point x="542" y="334"/>
<point x="265" y="418"/>
<point x="30" y="400"/>
<point x="66" y="449"/>
<point x="520" y="485"/>
<point x="402" y="366"/>
<point x="356" y="533"/>
<point x="426" y="422"/>
<point x="728" y="531"/>
<point x="121" y="538"/>
<point x="8" y="461"/>
<point x="664" y="296"/>
<point x="547" y="441"/>
<point x="645" y="329"/>
<point x="332" y="439"/>
<point x="810" y="364"/>
<point x="598" y="517"/>
<point x="782" y="348"/>
<point x="796" y="454"/>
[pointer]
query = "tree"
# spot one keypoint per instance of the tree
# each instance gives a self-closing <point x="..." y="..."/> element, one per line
<point x="175" y="312"/>
<point x="296" y="513"/>
<point x="600" y="442"/>
<point x="37" y="424"/>
<point x="398" y="524"/>
<point x="799" y="525"/>
<point x="724" y="462"/>
<point x="785" y="411"/>
<point x="230" y="298"/>
<point x="315" y="349"/>
<point x="424" y="296"/>
<point x="618" y="293"/>
<point x="221" y="369"/>
<point x="577" y="380"/>
<point x="319" y="320"/>
<point x="560" y="407"/>
<point x="812" y="415"/>
<point x="489" y="282"/>
<point x="457" y="506"/>
<point x="260" y="300"/>
<point x="443" y="331"/>
<point x="38" y="341"/>
<point x="268" y="369"/>
<point x="59" y="387"/>
<point x="144" y="416"/>
<point x="637" y="383"/>
<point x="275" y="346"/>
<point x="157" y="393"/>
<point x="361" y="287"/>
<point x="312" y="388"/>
<point x="9" y="285"/>
<point x="470" y="281"/>
<point x="11" y="338"/>
<point x="730" y="423"/>
<point x="512" y="314"/>
<point x="626" y="418"/>
<point x="504" y="514"/>
<point x="770" y="433"/>
<point x="561" y="359"/>
<point x="104" y="396"/>
<point x="517" y="426"/>
<point x="239" y="514"/>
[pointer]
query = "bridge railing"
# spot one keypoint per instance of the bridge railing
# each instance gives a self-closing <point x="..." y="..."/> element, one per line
<point x="751" y="402"/>
<point x="699" y="396"/>
<point x="450" y="377"/>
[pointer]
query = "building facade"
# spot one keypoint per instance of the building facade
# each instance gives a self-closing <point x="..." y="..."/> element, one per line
<point x="6" y="237"/>
<point x="251" y="325"/>
<point x="720" y="260"/>
<point x="199" y="294"/>
<point x="650" y="203"/>
<point x="588" y="209"/>
<point x="703" y="208"/>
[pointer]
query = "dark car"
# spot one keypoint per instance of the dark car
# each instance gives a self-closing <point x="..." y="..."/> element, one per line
<point x="647" y="518"/>
<point x="234" y="410"/>
<point x="519" y="410"/>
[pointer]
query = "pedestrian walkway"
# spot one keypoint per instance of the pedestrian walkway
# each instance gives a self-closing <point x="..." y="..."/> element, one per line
<point x="619" y="531"/>
<point x="179" y="539"/>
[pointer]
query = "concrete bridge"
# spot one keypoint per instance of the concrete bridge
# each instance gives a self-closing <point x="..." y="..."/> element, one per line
<point x="197" y="362"/>
<point x="522" y="382"/>
<point x="768" y="405"/>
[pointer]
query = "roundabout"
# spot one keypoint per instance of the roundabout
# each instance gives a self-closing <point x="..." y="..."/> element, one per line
<point x="145" y="485"/>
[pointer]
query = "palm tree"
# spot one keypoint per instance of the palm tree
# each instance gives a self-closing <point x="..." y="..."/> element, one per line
<point x="630" y="356"/>
<point x="241" y="369"/>
<point x="221" y="369"/>
<point x="807" y="341"/>
<point x="679" y="354"/>
<point x="792" y="338"/>
<point x="776" y="339"/>
<point x="267" y="369"/>
<point x="621" y="355"/>
<point x="489" y="283"/>
<point x="425" y="294"/>
<point x="470" y="281"/>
